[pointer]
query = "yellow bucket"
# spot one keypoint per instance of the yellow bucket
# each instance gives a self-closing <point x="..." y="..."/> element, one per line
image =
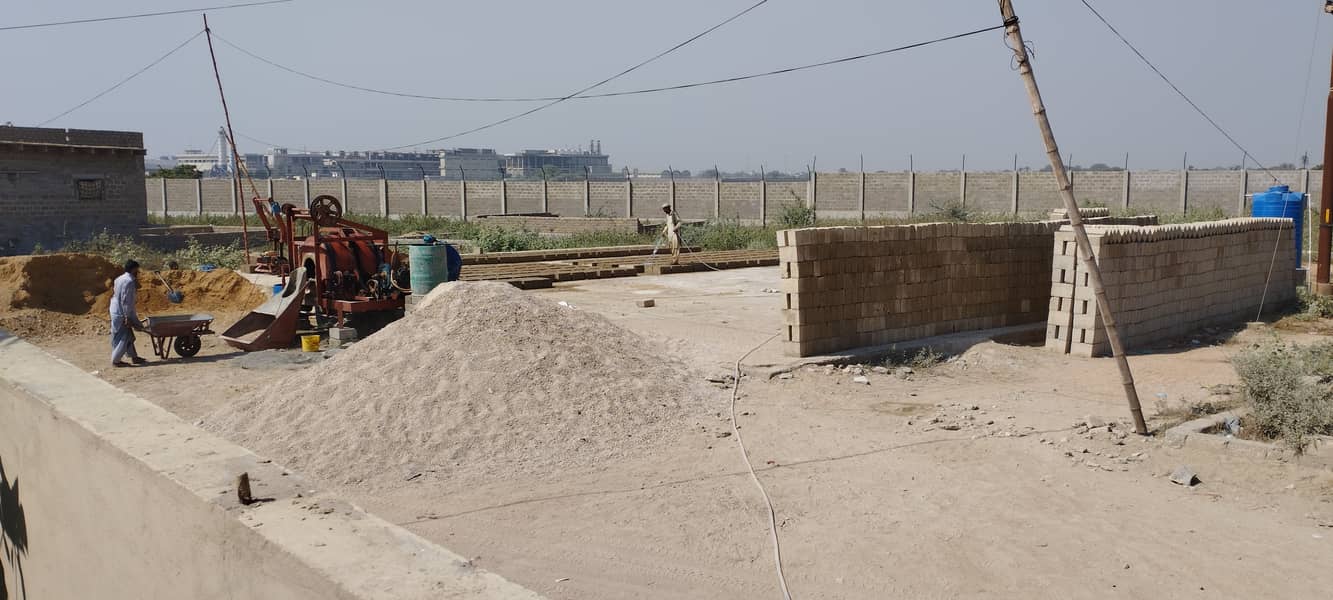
<point x="310" y="343"/>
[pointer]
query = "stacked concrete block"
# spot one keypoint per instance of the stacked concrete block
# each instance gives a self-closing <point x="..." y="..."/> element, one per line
<point x="1167" y="281"/>
<point x="848" y="287"/>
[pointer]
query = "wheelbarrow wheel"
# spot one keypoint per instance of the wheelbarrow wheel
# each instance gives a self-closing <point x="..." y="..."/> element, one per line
<point x="187" y="345"/>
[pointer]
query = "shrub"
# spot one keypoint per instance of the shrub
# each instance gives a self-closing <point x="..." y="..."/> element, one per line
<point x="1314" y="306"/>
<point x="194" y="255"/>
<point x="496" y="239"/>
<point x="729" y="234"/>
<point x="796" y="216"/>
<point x="1287" y="388"/>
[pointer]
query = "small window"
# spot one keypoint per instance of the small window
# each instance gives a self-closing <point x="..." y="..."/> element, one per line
<point x="90" y="190"/>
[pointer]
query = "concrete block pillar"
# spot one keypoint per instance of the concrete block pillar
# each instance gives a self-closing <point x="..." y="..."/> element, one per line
<point x="962" y="188"/>
<point x="812" y="193"/>
<point x="198" y="202"/>
<point x="504" y="196"/>
<point x="162" y="184"/>
<point x="198" y="195"/>
<point x="235" y="197"/>
<point x="546" y="197"/>
<point x="306" y="183"/>
<point x="346" y="202"/>
<point x="629" y="197"/>
<point x="425" y="198"/>
<point x="268" y="186"/>
<point x="671" y="192"/>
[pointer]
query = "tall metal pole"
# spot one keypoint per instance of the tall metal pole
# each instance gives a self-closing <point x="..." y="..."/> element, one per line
<point x="1322" y="286"/>
<point x="1071" y="206"/>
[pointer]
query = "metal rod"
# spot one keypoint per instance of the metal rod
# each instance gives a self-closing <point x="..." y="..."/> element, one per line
<point x="1071" y="206"/>
<point x="231" y="138"/>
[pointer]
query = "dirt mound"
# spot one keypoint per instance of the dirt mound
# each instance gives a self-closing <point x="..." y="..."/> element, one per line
<point x="70" y="294"/>
<point x="482" y="381"/>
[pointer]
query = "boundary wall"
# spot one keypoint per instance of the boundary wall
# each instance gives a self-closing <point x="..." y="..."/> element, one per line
<point x="851" y="287"/>
<point x="1166" y="281"/>
<point x="108" y="496"/>
<point x="844" y="196"/>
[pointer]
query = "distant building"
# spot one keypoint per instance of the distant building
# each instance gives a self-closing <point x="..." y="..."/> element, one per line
<point x="531" y="163"/>
<point x="474" y="163"/>
<point x="214" y="163"/>
<point x="279" y="162"/>
<point x="60" y="185"/>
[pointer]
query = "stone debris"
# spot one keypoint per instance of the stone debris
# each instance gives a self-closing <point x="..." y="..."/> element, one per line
<point x="1185" y="476"/>
<point x="861" y="379"/>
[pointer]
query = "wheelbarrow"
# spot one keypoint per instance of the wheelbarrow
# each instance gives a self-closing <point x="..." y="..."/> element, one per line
<point x="178" y="331"/>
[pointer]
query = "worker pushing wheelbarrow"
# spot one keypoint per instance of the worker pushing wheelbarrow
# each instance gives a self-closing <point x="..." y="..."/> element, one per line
<point x="179" y="332"/>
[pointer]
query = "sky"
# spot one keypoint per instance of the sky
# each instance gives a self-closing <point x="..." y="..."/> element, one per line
<point x="1247" y="63"/>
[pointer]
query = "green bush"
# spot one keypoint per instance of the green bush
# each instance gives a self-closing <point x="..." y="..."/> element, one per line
<point x="729" y="234"/>
<point x="194" y="255"/>
<point x="795" y="216"/>
<point x="1314" y="306"/>
<point x="1288" y="390"/>
<point x="496" y="239"/>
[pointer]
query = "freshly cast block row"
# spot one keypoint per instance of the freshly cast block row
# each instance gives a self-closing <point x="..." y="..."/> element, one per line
<point x="1166" y="281"/>
<point x="848" y="287"/>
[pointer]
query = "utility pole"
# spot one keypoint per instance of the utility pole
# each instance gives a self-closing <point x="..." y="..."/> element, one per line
<point x="1071" y="206"/>
<point x="1321" y="285"/>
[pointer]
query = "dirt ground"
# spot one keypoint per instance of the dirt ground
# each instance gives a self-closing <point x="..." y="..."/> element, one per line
<point x="965" y="480"/>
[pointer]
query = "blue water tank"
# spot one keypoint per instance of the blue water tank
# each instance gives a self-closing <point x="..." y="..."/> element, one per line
<point x="1279" y="201"/>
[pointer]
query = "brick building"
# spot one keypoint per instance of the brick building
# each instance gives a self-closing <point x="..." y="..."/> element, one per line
<point x="59" y="185"/>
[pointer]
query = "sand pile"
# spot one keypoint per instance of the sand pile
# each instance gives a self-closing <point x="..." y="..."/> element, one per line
<point x="70" y="294"/>
<point x="482" y="381"/>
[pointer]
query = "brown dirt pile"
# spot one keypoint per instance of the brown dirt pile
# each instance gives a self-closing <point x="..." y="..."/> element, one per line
<point x="483" y="381"/>
<point x="70" y="294"/>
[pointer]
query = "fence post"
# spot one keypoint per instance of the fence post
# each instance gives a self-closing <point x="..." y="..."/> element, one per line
<point x="671" y="188"/>
<point x="1184" y="190"/>
<point x="812" y="193"/>
<point x="588" y="192"/>
<point x="861" y="192"/>
<point x="717" y="193"/>
<point x="425" y="198"/>
<point x="763" y="197"/>
<point x="1013" y="194"/>
<point x="384" y="197"/>
<point x="962" y="184"/>
<point x="162" y="185"/>
<point x="347" y="202"/>
<point x="629" y="195"/>
<point x="269" y="185"/>
<point x="546" y="199"/>
<point x="198" y="196"/>
<point x="1125" y="200"/>
<point x="911" y="193"/>
<point x="1244" y="187"/>
<point x="462" y="193"/>
<point x="504" y="193"/>
<point x="306" y="181"/>
<point x="235" y="198"/>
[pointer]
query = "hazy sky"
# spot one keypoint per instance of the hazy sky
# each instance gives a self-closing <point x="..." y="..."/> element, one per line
<point x="1243" y="61"/>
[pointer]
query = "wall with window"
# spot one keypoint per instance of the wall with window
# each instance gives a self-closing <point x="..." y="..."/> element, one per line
<point x="68" y="187"/>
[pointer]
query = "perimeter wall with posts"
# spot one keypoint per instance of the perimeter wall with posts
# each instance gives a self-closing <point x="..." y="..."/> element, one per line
<point x="1165" y="281"/>
<point x="839" y="196"/>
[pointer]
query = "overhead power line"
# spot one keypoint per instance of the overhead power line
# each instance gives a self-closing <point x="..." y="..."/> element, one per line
<point x="141" y="15"/>
<point x="667" y="88"/>
<point x="1182" y="94"/>
<point x="125" y="80"/>
<point x="587" y="88"/>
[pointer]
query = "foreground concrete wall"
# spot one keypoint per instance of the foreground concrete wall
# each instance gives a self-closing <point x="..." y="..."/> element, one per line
<point x="1166" y="281"/>
<point x="107" y="496"/>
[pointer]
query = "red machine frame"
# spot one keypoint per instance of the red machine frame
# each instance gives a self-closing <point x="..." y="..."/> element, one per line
<point x="327" y="227"/>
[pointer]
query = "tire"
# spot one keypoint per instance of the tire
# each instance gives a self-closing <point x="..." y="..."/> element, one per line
<point x="187" y="345"/>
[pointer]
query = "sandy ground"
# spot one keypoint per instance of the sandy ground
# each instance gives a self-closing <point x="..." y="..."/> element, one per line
<point x="898" y="488"/>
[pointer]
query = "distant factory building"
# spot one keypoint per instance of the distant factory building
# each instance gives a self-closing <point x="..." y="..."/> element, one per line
<point x="472" y="163"/>
<point x="280" y="162"/>
<point x="60" y="185"/>
<point x="531" y="163"/>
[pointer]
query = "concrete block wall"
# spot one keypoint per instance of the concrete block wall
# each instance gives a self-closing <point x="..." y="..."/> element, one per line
<point x="848" y="287"/>
<point x="837" y="195"/>
<point x="1169" y="280"/>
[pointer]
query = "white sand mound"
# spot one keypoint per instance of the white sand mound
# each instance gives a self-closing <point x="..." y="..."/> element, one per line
<point x="483" y="380"/>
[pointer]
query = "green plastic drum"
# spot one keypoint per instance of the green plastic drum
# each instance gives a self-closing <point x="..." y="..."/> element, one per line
<point x="429" y="265"/>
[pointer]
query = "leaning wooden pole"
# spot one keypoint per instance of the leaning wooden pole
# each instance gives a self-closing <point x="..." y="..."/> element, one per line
<point x="1090" y="267"/>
